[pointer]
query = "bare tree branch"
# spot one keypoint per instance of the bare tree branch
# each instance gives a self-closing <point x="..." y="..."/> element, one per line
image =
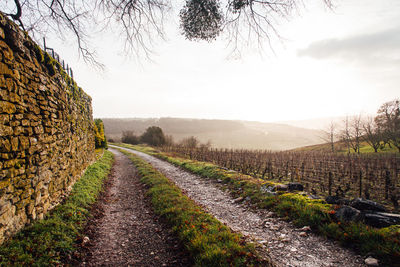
<point x="141" y="22"/>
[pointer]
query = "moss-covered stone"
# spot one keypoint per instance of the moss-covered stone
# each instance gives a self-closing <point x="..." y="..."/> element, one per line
<point x="5" y="183"/>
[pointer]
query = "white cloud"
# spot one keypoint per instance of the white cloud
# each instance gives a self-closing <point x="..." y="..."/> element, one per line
<point x="374" y="48"/>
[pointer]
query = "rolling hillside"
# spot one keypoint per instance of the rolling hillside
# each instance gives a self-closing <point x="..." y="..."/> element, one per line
<point x="222" y="133"/>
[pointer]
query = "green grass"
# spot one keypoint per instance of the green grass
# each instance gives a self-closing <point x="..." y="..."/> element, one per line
<point x="340" y="147"/>
<point x="209" y="242"/>
<point x="47" y="242"/>
<point x="302" y="211"/>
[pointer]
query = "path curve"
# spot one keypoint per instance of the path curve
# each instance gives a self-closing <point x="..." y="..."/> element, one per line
<point x="124" y="230"/>
<point x="282" y="240"/>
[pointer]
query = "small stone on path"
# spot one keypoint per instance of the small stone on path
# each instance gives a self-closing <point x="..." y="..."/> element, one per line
<point x="305" y="228"/>
<point x="303" y="234"/>
<point x="85" y="240"/>
<point x="371" y="261"/>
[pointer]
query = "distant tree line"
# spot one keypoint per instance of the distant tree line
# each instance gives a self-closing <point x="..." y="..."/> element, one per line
<point x="379" y="132"/>
<point x="154" y="136"/>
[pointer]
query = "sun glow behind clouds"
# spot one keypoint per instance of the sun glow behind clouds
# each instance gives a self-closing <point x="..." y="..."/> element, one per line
<point x="197" y="80"/>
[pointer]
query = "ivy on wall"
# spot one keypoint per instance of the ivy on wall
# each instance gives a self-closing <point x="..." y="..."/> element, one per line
<point x="99" y="136"/>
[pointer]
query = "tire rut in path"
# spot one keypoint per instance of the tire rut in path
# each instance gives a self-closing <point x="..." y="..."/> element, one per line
<point x="283" y="242"/>
<point x="124" y="230"/>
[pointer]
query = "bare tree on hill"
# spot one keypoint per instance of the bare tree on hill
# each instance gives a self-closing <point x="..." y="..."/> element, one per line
<point x="139" y="22"/>
<point x="190" y="142"/>
<point x="388" y="120"/>
<point x="329" y="135"/>
<point x="345" y="134"/>
<point x="372" y="134"/>
<point x="356" y="132"/>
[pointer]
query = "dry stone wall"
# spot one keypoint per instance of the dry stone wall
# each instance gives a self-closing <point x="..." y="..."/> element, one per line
<point x="46" y="130"/>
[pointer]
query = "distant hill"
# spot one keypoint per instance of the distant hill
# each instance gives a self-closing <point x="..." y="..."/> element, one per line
<point x="221" y="133"/>
<point x="317" y="123"/>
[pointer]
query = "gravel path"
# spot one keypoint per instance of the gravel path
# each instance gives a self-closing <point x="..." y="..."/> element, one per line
<point x="287" y="245"/>
<point x="124" y="231"/>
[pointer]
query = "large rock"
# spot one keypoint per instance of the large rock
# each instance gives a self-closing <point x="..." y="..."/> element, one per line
<point x="337" y="200"/>
<point x="381" y="219"/>
<point x="364" y="204"/>
<point x="295" y="187"/>
<point x="280" y="187"/>
<point x="347" y="214"/>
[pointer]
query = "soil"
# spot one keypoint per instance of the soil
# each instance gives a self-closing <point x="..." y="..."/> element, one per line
<point x="286" y="245"/>
<point x="124" y="231"/>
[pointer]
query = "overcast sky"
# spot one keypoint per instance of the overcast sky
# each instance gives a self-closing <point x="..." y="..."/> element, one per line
<point x="330" y="63"/>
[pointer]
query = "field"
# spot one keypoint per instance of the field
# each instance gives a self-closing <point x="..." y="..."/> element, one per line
<point x="369" y="175"/>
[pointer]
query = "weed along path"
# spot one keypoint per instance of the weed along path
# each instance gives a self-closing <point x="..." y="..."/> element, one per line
<point x="124" y="231"/>
<point x="287" y="245"/>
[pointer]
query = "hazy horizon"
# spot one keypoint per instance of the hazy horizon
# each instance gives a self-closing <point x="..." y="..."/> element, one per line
<point x="319" y="123"/>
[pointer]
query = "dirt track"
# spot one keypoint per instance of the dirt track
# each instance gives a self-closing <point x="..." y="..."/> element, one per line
<point x="124" y="230"/>
<point x="286" y="245"/>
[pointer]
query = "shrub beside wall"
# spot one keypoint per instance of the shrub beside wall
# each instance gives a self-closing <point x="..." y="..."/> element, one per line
<point x="46" y="130"/>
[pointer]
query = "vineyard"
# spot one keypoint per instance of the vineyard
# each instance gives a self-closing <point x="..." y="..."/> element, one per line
<point x="374" y="177"/>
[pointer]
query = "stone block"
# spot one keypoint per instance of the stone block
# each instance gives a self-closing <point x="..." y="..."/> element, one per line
<point x="13" y="97"/>
<point x="5" y="206"/>
<point x="22" y="183"/>
<point x="5" y="155"/>
<point x="11" y="173"/>
<point x="37" y="198"/>
<point x="7" y="107"/>
<point x="46" y="206"/>
<point x="8" y="55"/>
<point x="9" y="163"/>
<point x="16" y="75"/>
<point x="28" y="131"/>
<point x="2" y="82"/>
<point x="38" y="129"/>
<point x="27" y="193"/>
<point x="33" y="141"/>
<point x="22" y="204"/>
<point x="5" y="70"/>
<point x="15" y="122"/>
<point x="15" y="199"/>
<point x="4" y="119"/>
<point x="17" y="130"/>
<point x="24" y="142"/>
<point x="6" y="216"/>
<point x="11" y="85"/>
<point x="14" y="143"/>
<point x="25" y="122"/>
<point x="6" y="130"/>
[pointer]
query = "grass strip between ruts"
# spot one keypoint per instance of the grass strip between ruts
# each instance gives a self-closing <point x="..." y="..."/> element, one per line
<point x="209" y="242"/>
<point x="383" y="243"/>
<point x="46" y="242"/>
